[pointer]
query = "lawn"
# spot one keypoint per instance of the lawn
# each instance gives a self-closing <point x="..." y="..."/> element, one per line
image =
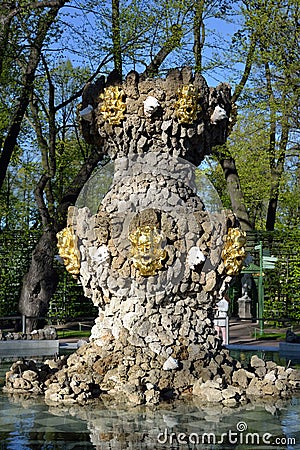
<point x="73" y="334"/>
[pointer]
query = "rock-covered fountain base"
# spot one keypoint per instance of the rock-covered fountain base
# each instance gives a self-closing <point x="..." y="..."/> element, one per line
<point x="117" y="377"/>
<point x="153" y="255"/>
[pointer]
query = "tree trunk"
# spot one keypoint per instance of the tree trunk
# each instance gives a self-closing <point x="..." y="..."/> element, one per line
<point x="116" y="36"/>
<point x="225" y="159"/>
<point x="277" y="170"/>
<point x="199" y="34"/>
<point x="235" y="192"/>
<point x="39" y="283"/>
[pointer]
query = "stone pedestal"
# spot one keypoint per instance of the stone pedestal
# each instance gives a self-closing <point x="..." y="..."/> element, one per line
<point x="244" y="307"/>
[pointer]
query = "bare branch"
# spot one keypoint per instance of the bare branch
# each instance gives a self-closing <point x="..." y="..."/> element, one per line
<point x="248" y="65"/>
<point x="171" y="43"/>
<point x="5" y="18"/>
<point x="78" y="93"/>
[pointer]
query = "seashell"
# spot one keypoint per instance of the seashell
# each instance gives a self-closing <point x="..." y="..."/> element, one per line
<point x="170" y="364"/>
<point x="86" y="113"/>
<point x="151" y="105"/>
<point x="195" y="257"/>
<point x="99" y="255"/>
<point x="218" y="115"/>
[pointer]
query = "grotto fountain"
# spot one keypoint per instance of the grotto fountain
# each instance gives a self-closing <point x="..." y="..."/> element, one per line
<point x="150" y="256"/>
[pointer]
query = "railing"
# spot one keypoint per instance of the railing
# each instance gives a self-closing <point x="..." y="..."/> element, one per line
<point x="21" y="319"/>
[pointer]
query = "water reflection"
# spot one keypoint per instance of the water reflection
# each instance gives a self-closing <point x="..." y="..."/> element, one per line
<point x="28" y="423"/>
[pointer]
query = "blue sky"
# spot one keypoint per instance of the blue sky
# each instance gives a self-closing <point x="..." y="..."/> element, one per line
<point x="219" y="34"/>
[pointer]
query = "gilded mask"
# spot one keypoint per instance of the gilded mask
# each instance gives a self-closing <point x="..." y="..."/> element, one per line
<point x="68" y="250"/>
<point x="187" y="107"/>
<point x="112" y="106"/>
<point x="234" y="253"/>
<point x="146" y="252"/>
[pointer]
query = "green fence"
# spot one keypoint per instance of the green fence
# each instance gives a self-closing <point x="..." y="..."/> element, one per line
<point x="281" y="285"/>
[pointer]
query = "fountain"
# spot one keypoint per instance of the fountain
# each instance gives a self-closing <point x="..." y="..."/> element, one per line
<point x="151" y="256"/>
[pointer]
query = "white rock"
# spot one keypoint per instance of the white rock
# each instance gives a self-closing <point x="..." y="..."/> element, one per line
<point x="151" y="105"/>
<point x="116" y="330"/>
<point x="270" y="376"/>
<point x="87" y="113"/>
<point x="129" y="319"/>
<point x="195" y="257"/>
<point x="218" y="115"/>
<point x="170" y="364"/>
<point x="99" y="255"/>
<point x="151" y="337"/>
<point x="155" y="347"/>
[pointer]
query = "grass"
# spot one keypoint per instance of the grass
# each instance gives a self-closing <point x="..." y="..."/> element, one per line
<point x="272" y="336"/>
<point x="73" y="333"/>
<point x="275" y="334"/>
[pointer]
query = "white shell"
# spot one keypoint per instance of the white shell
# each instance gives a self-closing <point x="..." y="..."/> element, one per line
<point x="151" y="105"/>
<point x="86" y="113"/>
<point x="99" y="255"/>
<point x="195" y="257"/>
<point x="218" y="115"/>
<point x="170" y="364"/>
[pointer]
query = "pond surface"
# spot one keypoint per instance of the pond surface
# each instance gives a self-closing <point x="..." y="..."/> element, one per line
<point x="28" y="423"/>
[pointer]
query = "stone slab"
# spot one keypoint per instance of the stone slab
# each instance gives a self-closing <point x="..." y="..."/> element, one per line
<point x="23" y="348"/>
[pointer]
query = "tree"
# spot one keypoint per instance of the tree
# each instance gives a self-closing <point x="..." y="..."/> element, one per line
<point x="275" y="65"/>
<point x="56" y="134"/>
<point x="40" y="16"/>
<point x="270" y="84"/>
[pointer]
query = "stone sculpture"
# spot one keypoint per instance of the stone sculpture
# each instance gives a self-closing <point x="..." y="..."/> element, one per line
<point x="152" y="257"/>
<point x="245" y="301"/>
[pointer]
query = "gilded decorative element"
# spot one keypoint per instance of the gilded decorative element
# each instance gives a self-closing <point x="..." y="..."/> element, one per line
<point x="234" y="253"/>
<point x="146" y="252"/>
<point x="187" y="107"/>
<point x="68" y="250"/>
<point x="112" y="106"/>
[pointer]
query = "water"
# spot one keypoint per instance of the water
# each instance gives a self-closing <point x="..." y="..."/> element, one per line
<point x="28" y="423"/>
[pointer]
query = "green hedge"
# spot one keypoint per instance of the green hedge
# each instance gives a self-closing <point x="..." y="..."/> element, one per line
<point x="15" y="255"/>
